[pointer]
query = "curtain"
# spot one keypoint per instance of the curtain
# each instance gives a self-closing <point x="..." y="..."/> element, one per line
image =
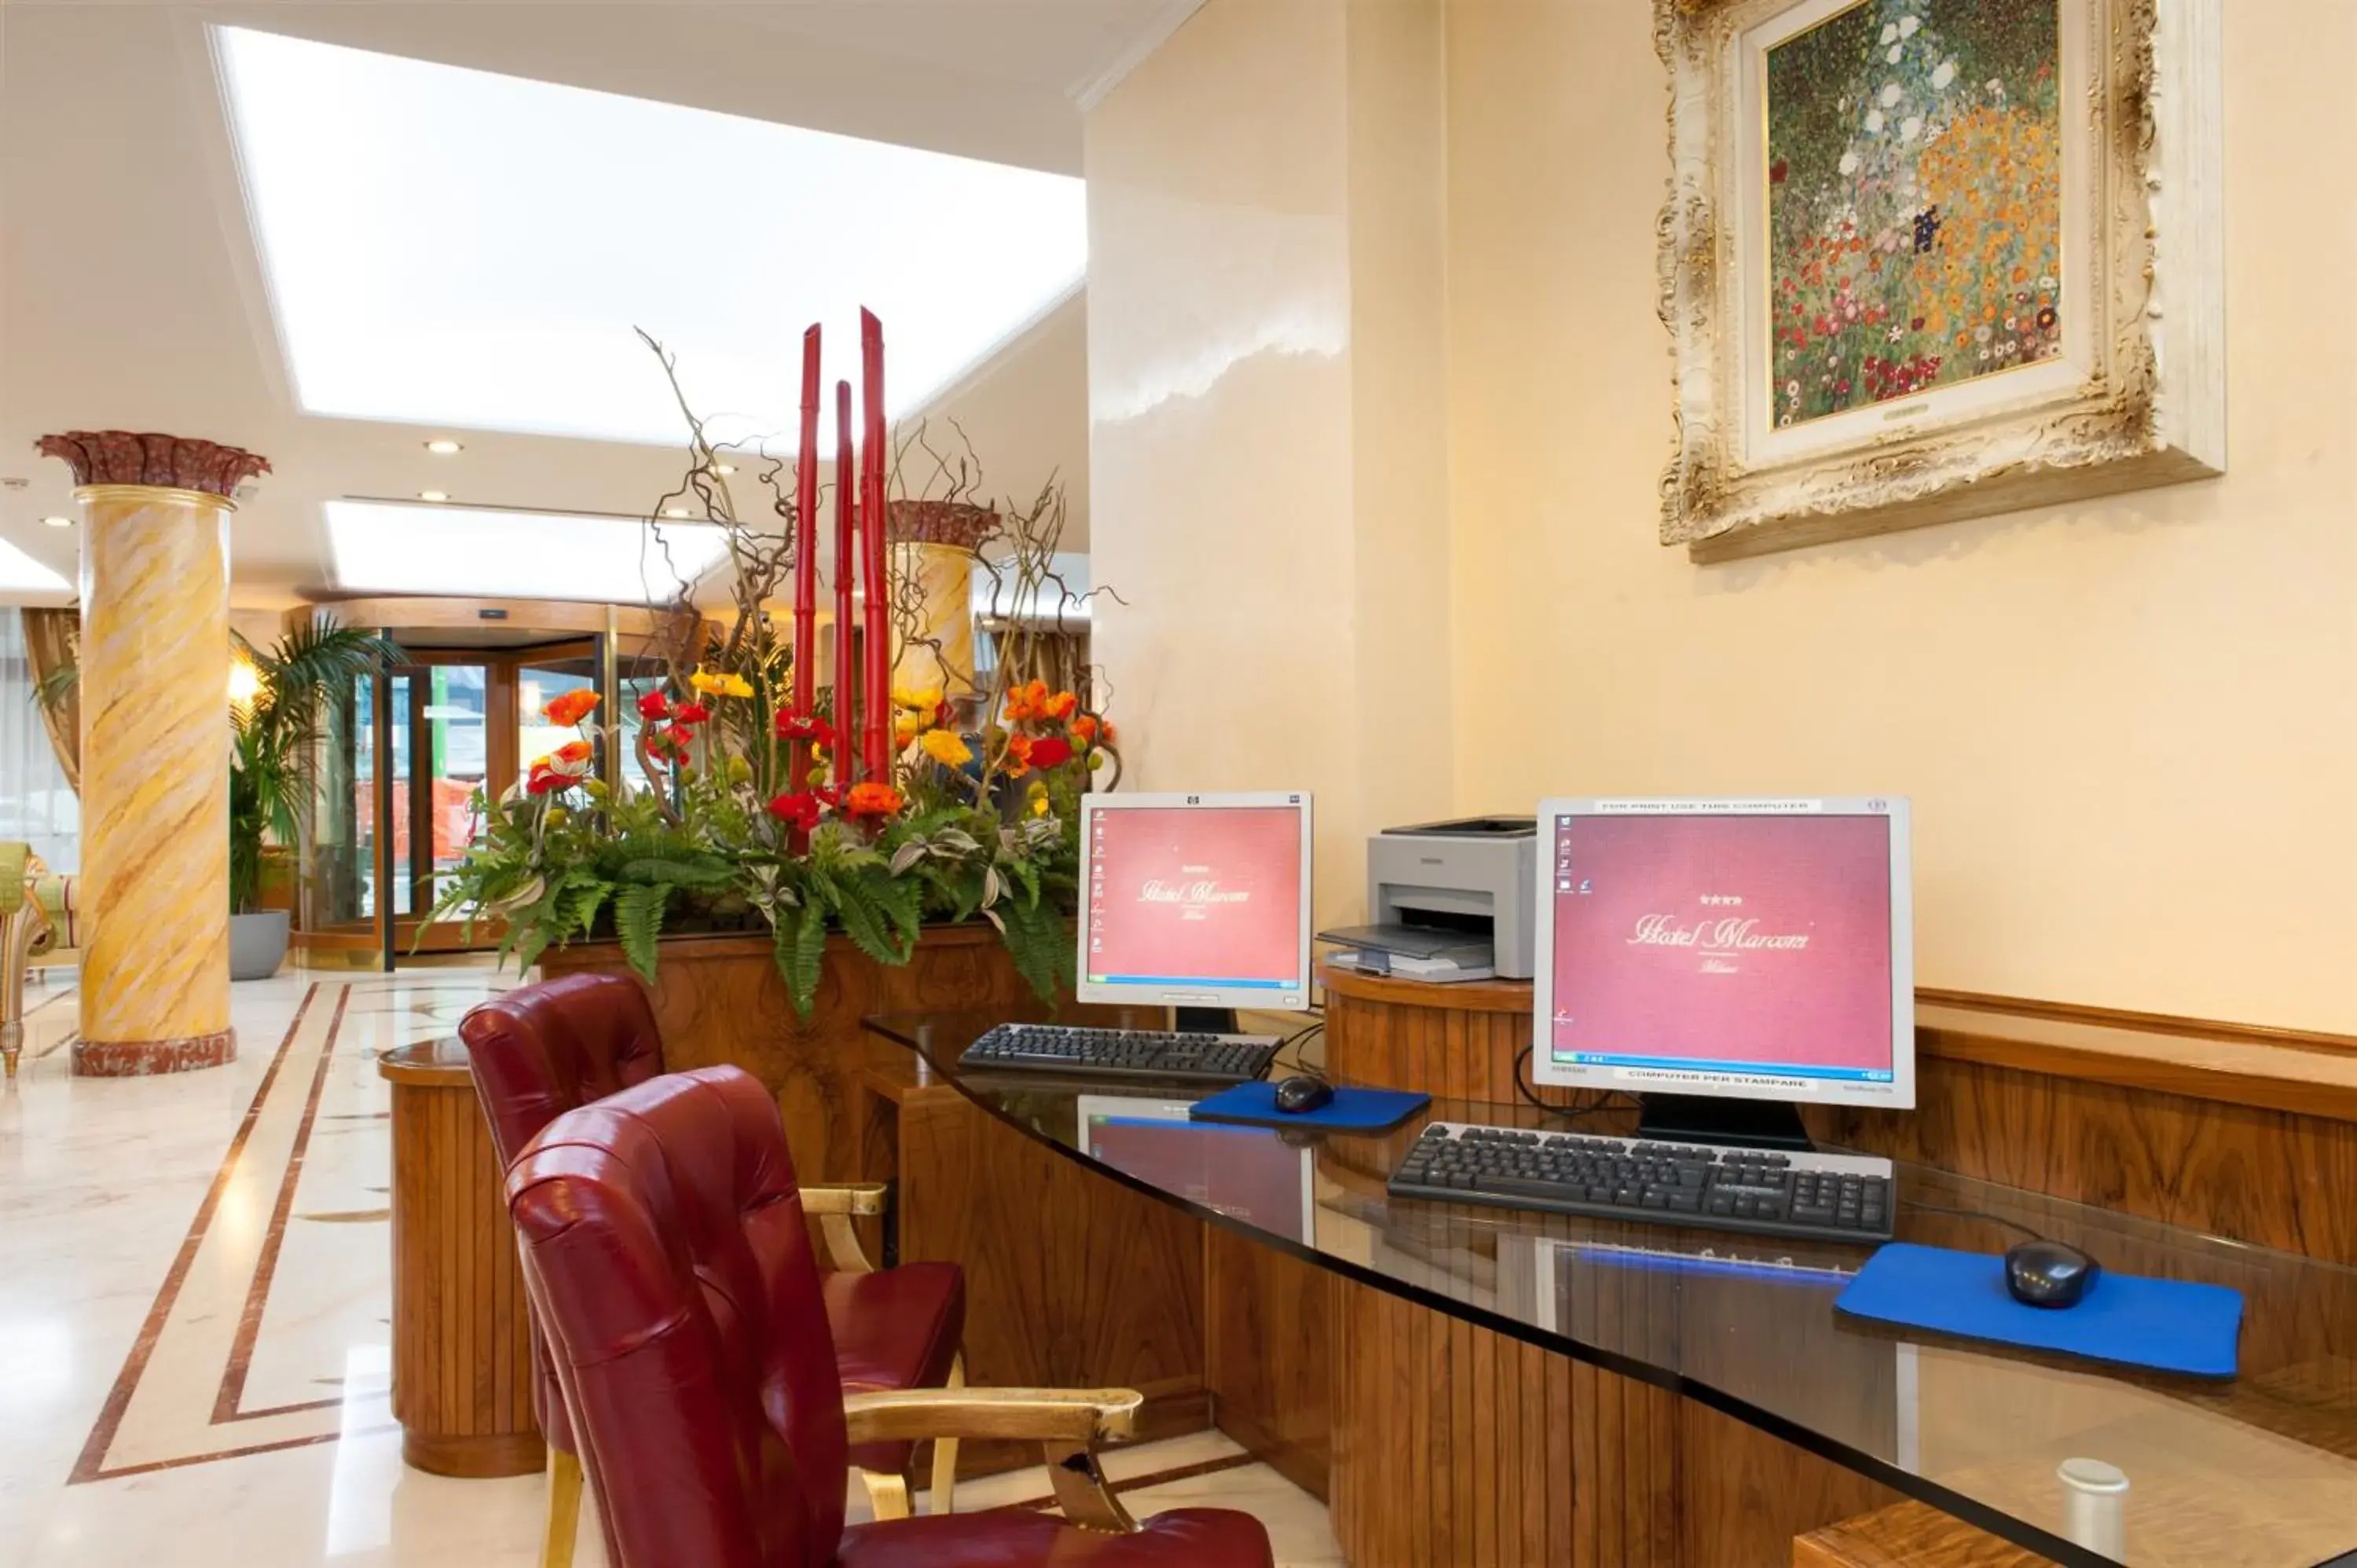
<point x="38" y="803"/>
<point x="53" y="639"/>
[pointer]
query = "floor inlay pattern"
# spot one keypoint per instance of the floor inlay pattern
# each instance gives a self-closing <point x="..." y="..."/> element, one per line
<point x="195" y="1293"/>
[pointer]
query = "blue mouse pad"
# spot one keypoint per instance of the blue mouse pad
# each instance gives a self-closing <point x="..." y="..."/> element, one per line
<point x="1350" y="1110"/>
<point x="2164" y="1324"/>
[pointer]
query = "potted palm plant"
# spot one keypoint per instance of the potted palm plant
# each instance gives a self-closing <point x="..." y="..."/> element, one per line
<point x="279" y="718"/>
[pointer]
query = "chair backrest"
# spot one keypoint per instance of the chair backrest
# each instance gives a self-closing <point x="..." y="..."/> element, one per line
<point x="541" y="1050"/>
<point x="665" y="1254"/>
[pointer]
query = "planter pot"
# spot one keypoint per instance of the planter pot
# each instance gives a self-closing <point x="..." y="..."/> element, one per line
<point x="257" y="944"/>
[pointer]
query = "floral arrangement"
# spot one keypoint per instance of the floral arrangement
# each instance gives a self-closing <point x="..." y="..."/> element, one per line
<point x="709" y="844"/>
<point x="750" y="811"/>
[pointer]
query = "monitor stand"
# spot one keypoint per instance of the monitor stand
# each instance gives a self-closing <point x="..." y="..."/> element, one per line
<point x="1707" y="1119"/>
<point x="1205" y="1020"/>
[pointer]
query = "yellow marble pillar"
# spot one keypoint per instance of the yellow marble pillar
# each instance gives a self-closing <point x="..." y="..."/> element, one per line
<point x="932" y="578"/>
<point x="155" y="750"/>
<point x="936" y="652"/>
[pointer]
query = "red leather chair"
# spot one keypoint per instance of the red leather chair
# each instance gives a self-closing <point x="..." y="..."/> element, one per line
<point x="541" y="1050"/>
<point x="665" y="1254"/>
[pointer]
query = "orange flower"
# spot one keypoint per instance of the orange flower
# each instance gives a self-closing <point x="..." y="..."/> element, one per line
<point x="572" y="759"/>
<point x="1026" y="702"/>
<point x="570" y="707"/>
<point x="1018" y="756"/>
<point x="1061" y="704"/>
<point x="872" y="799"/>
<point x="1084" y="728"/>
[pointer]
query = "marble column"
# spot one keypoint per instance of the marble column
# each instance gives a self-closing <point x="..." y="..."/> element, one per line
<point x="154" y="748"/>
<point x="932" y="547"/>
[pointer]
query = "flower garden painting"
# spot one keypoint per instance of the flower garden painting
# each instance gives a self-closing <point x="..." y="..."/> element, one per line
<point x="1914" y="200"/>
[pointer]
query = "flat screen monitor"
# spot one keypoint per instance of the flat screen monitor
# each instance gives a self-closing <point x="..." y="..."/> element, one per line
<point x="1736" y="948"/>
<point x="1195" y="900"/>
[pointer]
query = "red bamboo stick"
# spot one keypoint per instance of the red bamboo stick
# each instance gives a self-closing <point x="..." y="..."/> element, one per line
<point x="805" y="562"/>
<point x="872" y="506"/>
<point x="847" y="568"/>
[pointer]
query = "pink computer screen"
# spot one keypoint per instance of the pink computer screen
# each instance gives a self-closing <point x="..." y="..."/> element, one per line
<point x="1735" y="943"/>
<point x="1195" y="895"/>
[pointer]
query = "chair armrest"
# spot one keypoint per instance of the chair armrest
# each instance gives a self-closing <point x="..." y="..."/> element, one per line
<point x="844" y="1198"/>
<point x="1075" y="1415"/>
<point x="835" y="1203"/>
<point x="1068" y="1424"/>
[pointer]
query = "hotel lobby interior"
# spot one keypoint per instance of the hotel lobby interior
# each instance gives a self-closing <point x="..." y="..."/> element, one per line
<point x="1177" y="783"/>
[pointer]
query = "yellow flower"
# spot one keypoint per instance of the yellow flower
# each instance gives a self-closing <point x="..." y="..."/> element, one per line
<point x="907" y="726"/>
<point x="946" y="747"/>
<point x="720" y="685"/>
<point x="926" y="701"/>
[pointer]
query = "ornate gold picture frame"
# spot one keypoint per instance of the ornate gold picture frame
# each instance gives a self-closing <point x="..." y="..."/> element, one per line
<point x="1927" y="260"/>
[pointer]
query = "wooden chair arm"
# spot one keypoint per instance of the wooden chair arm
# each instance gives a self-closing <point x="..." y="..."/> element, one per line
<point x="844" y="1198"/>
<point x="1068" y="1424"/>
<point x="835" y="1203"/>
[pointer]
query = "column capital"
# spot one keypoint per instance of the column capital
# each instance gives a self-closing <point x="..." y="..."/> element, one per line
<point x="170" y="462"/>
<point x="960" y="523"/>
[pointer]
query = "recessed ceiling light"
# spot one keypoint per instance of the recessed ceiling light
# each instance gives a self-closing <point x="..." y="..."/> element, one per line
<point x="724" y="469"/>
<point x="433" y="495"/>
<point x="677" y="511"/>
<point x="527" y="326"/>
<point x="444" y="447"/>
<point x="391" y="547"/>
<point x="59" y="521"/>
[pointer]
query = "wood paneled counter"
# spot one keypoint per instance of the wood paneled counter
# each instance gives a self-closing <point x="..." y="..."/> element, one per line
<point x="462" y="1371"/>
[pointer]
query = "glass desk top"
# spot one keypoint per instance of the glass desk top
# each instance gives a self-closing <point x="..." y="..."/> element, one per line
<point x="2260" y="1470"/>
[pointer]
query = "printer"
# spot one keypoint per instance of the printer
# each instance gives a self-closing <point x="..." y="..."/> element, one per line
<point x="1450" y="901"/>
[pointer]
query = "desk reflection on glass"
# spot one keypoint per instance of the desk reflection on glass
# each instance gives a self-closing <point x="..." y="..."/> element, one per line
<point x="2259" y="1470"/>
<point x="1256" y="1175"/>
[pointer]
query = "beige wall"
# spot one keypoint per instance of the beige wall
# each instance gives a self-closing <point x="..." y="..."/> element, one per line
<point x="2129" y="728"/>
<point x="1267" y="446"/>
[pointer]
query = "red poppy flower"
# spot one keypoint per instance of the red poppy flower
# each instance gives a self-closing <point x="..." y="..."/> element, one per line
<point x="801" y="808"/>
<point x="804" y="726"/>
<point x="1050" y="751"/>
<point x="654" y="705"/>
<point x="691" y="714"/>
<point x="543" y="780"/>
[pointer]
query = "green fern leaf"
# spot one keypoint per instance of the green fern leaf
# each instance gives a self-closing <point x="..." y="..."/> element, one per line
<point x="587" y="899"/>
<point x="701" y="872"/>
<point x="799" y="941"/>
<point x="638" y="918"/>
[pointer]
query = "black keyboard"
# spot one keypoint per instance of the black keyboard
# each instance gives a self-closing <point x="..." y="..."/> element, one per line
<point x="1832" y="1197"/>
<point x="1219" y="1059"/>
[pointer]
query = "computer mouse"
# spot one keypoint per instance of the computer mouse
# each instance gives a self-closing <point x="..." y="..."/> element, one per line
<point x="1301" y="1094"/>
<point x="2047" y="1273"/>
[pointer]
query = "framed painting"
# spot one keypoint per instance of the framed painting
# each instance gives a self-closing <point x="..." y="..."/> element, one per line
<point x="1926" y="260"/>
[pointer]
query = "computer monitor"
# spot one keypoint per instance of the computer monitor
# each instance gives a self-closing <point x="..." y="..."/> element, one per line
<point x="1709" y="953"/>
<point x="1195" y="900"/>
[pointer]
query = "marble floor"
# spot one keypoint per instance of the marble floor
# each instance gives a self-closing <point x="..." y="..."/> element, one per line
<point x="194" y="1293"/>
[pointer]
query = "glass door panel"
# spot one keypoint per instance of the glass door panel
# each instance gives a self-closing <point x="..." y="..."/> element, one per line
<point x="537" y="685"/>
<point x="456" y="762"/>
